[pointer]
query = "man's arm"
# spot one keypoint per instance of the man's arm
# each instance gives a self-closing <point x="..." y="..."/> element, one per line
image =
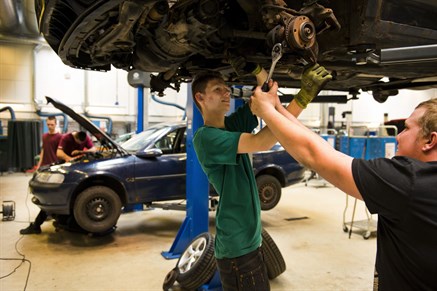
<point x="304" y="145"/>
<point x="41" y="156"/>
<point x="62" y="155"/>
<point x="84" y="151"/>
<point x="91" y="150"/>
<point x="90" y="146"/>
<point x="313" y="80"/>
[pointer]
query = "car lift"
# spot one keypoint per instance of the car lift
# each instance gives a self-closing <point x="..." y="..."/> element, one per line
<point x="196" y="220"/>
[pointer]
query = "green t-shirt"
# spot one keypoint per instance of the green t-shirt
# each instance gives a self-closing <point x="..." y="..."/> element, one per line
<point x="238" y="217"/>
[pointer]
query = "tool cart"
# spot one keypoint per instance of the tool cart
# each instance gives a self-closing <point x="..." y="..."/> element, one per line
<point x="375" y="144"/>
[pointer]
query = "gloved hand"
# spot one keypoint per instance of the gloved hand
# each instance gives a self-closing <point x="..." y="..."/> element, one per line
<point x="241" y="67"/>
<point x="313" y="80"/>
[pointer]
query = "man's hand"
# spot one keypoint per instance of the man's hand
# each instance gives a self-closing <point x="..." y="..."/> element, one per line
<point x="76" y="152"/>
<point x="263" y="102"/>
<point x="241" y="67"/>
<point x="313" y="80"/>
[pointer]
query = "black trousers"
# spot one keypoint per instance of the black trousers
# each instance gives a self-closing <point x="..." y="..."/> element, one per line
<point x="41" y="217"/>
<point x="247" y="272"/>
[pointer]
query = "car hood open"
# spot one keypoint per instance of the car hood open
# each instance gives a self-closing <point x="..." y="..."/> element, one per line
<point x="103" y="138"/>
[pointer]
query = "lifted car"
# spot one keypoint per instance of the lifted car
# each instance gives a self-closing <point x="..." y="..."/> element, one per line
<point x="357" y="40"/>
<point x="148" y="168"/>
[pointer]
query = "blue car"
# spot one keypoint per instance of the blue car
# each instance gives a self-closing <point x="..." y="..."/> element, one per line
<point x="147" y="169"/>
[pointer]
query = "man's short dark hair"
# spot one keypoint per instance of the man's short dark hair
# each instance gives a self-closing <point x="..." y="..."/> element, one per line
<point x="52" y="118"/>
<point x="81" y="135"/>
<point x="200" y="82"/>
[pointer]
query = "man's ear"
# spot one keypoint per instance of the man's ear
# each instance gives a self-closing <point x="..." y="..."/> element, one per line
<point x="431" y="142"/>
<point x="198" y="96"/>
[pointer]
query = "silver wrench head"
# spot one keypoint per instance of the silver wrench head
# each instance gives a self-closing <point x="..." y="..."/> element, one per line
<point x="276" y="55"/>
<point x="276" y="52"/>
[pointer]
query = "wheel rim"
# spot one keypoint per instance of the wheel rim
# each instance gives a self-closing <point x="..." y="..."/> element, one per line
<point x="192" y="254"/>
<point x="98" y="209"/>
<point x="267" y="193"/>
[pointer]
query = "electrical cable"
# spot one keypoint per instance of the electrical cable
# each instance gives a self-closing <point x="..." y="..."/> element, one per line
<point x="23" y="259"/>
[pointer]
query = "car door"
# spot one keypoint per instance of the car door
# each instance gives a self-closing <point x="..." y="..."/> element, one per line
<point x="162" y="177"/>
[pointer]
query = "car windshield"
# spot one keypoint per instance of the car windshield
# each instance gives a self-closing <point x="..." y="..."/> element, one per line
<point x="143" y="139"/>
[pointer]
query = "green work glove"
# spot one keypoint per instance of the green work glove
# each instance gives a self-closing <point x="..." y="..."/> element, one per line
<point x="241" y="67"/>
<point x="313" y="80"/>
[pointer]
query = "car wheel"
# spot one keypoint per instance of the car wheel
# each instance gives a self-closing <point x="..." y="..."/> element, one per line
<point x="197" y="263"/>
<point x="273" y="259"/>
<point x="97" y="209"/>
<point x="269" y="190"/>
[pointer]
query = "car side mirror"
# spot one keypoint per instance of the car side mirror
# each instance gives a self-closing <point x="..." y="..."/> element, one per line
<point x="150" y="153"/>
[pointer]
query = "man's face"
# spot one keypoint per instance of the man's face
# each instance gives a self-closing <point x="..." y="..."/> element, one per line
<point x="217" y="96"/>
<point x="410" y="142"/>
<point x="51" y="125"/>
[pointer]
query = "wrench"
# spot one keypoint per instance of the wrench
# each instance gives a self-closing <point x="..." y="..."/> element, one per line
<point x="276" y="55"/>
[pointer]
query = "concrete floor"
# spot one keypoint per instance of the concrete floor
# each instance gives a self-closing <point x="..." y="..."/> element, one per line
<point x="318" y="254"/>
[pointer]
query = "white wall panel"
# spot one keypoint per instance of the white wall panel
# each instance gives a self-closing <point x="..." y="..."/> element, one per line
<point x="367" y="110"/>
<point x="15" y="73"/>
<point x="56" y="80"/>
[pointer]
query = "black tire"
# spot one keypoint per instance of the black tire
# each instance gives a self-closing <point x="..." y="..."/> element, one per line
<point x="273" y="259"/>
<point x="367" y="235"/>
<point x="197" y="264"/>
<point x="97" y="209"/>
<point x="269" y="190"/>
<point x="170" y="279"/>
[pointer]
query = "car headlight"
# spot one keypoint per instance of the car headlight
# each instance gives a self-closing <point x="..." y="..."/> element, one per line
<point x="51" y="178"/>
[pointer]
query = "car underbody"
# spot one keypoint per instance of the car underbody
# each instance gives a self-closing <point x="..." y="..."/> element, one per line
<point x="176" y="39"/>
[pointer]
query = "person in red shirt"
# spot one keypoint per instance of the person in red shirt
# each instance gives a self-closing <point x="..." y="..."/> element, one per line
<point x="50" y="142"/>
<point x="74" y="145"/>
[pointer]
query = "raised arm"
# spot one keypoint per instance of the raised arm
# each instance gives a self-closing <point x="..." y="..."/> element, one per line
<point x="304" y="145"/>
<point x="313" y="80"/>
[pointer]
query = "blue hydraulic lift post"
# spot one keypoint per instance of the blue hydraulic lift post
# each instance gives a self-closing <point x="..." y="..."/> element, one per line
<point x="140" y="113"/>
<point x="196" y="220"/>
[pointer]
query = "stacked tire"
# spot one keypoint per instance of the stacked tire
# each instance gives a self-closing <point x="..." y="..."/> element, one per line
<point x="197" y="264"/>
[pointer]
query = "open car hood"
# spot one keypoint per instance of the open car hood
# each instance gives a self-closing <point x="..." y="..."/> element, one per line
<point x="102" y="137"/>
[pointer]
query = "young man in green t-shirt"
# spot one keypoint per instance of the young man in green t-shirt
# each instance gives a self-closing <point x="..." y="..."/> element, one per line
<point x="222" y="146"/>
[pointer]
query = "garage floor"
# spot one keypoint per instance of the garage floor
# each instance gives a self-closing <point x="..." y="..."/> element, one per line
<point x="306" y="226"/>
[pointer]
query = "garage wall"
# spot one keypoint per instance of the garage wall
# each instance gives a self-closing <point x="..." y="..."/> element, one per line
<point x="29" y="72"/>
<point x="16" y="76"/>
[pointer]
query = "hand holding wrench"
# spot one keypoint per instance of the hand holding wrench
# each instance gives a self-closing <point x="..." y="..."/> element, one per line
<point x="276" y="55"/>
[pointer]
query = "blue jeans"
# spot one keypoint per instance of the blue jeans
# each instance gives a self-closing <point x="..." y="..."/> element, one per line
<point x="247" y="272"/>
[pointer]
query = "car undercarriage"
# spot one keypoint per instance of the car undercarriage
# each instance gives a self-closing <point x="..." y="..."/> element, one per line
<point x="176" y="39"/>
